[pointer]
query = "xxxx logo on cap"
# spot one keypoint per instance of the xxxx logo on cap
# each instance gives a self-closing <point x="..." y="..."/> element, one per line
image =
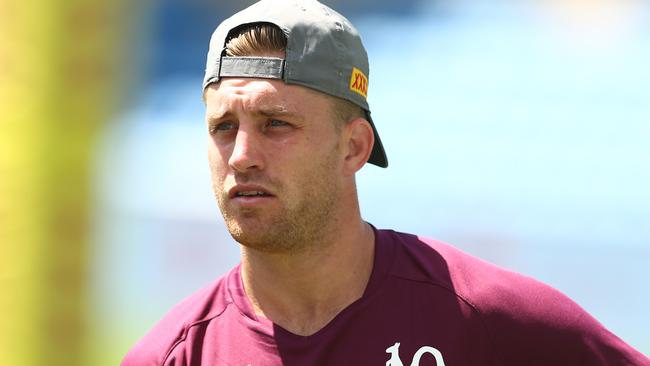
<point x="359" y="82"/>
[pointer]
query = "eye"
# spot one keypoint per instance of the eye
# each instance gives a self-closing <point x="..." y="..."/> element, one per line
<point x="223" y="126"/>
<point x="277" y="123"/>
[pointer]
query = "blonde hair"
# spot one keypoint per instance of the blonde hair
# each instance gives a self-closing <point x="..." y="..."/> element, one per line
<point x="256" y="40"/>
<point x="264" y="38"/>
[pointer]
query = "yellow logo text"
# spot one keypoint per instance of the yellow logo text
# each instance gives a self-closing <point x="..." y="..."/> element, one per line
<point x="359" y="82"/>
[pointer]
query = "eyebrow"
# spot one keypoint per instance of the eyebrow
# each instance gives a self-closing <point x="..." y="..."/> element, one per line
<point x="273" y="111"/>
<point x="266" y="111"/>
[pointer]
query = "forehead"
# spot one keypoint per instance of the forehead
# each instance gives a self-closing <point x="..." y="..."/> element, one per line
<point x="251" y="95"/>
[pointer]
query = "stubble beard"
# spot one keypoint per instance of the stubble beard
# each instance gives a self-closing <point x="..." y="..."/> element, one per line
<point x="296" y="226"/>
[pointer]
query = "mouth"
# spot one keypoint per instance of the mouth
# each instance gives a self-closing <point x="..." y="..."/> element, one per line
<point x="252" y="194"/>
<point x="248" y="192"/>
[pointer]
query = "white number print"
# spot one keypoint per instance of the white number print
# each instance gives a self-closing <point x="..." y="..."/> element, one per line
<point x="394" y="360"/>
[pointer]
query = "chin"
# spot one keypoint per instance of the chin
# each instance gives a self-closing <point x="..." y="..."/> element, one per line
<point x="261" y="243"/>
<point x="254" y="236"/>
<point x="249" y="235"/>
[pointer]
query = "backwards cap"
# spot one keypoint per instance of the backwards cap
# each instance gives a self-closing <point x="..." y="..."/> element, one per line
<point x="324" y="52"/>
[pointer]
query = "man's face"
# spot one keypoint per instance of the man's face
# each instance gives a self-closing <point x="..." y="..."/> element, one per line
<point x="275" y="158"/>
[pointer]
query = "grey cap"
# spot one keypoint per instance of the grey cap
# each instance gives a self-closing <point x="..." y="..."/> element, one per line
<point x="324" y="52"/>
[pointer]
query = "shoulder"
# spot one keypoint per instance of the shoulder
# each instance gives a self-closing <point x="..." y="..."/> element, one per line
<point x="423" y="259"/>
<point x="200" y="307"/>
<point x="487" y="287"/>
<point x="524" y="318"/>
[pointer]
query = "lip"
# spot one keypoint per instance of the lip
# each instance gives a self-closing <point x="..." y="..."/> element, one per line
<point x="232" y="192"/>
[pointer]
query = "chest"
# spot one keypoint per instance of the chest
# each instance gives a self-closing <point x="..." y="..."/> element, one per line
<point x="408" y="325"/>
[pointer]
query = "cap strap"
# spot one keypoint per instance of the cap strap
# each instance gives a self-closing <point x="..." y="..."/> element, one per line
<point x="252" y="67"/>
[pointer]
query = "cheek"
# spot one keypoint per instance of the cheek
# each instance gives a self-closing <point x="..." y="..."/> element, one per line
<point x="217" y="158"/>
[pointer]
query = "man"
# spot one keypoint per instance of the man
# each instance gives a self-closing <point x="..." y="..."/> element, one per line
<point x="289" y="126"/>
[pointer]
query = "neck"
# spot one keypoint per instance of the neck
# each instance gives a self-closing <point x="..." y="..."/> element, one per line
<point x="304" y="291"/>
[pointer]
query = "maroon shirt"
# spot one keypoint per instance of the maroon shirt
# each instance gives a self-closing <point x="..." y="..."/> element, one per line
<point x="426" y="304"/>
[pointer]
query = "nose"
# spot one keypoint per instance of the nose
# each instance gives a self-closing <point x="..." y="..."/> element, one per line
<point x="246" y="152"/>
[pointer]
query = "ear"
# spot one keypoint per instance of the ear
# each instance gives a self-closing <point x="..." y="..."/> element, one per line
<point x="359" y="140"/>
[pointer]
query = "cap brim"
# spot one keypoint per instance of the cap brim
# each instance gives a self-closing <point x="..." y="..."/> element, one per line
<point x="378" y="155"/>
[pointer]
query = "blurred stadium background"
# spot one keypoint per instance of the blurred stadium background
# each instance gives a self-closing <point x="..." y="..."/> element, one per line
<point x="517" y="130"/>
